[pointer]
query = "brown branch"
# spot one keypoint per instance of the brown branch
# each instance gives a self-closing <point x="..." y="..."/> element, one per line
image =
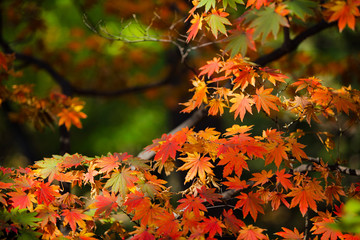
<point x="290" y="45"/>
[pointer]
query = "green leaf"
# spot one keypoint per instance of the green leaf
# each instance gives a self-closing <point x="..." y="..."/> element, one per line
<point x="301" y="8"/>
<point x="267" y="21"/>
<point x="237" y="44"/>
<point x="231" y="3"/>
<point x="28" y="234"/>
<point x="217" y="24"/>
<point x="207" y="3"/>
<point x="20" y="217"/>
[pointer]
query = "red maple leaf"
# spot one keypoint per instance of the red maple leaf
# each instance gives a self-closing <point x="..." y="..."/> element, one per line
<point x="135" y="199"/>
<point x="250" y="203"/>
<point x="276" y="198"/>
<point x="209" y="195"/>
<point x="283" y="179"/>
<point x="105" y="204"/>
<point x="108" y="163"/>
<point x="212" y="225"/>
<point x="192" y="204"/>
<point x="75" y="217"/>
<point x="235" y="183"/>
<point x="46" y="193"/>
<point x="22" y="199"/>
<point x="147" y="213"/>
<point x="233" y="161"/>
<point x="231" y="222"/>
<point x="167" y="148"/>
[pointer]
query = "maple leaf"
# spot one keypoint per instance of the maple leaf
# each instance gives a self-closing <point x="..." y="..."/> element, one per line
<point x="236" y="129"/>
<point x="48" y="214"/>
<point x="333" y="192"/>
<point x="75" y="217"/>
<point x="207" y="3"/>
<point x="276" y="198"/>
<point x="231" y="222"/>
<point x="72" y="160"/>
<point x="267" y="21"/>
<point x="212" y="225"/>
<point x="196" y="24"/>
<point x="135" y="199"/>
<point x="217" y="21"/>
<point x="197" y="165"/>
<point x="211" y="67"/>
<point x="3" y="62"/>
<point x="90" y="174"/>
<point x="152" y="184"/>
<point x="257" y="3"/>
<point x="147" y="213"/>
<point x="216" y="105"/>
<point x="309" y="83"/>
<point x="282" y="178"/>
<point x="142" y="233"/>
<point x="321" y="226"/>
<point x="276" y="153"/>
<point x="296" y="149"/>
<point x="265" y="100"/>
<point x="240" y="40"/>
<point x="108" y="163"/>
<point x="233" y="161"/>
<point x="48" y="167"/>
<point x="209" y="195"/>
<point x="168" y="226"/>
<point x="192" y="204"/>
<point x="122" y="181"/>
<point x="250" y="203"/>
<point x="241" y="105"/>
<point x="344" y="12"/>
<point x="105" y="204"/>
<point x="304" y="196"/>
<point x="251" y="232"/>
<point x="22" y="199"/>
<point x="235" y="183"/>
<point x="261" y="178"/>
<point x="288" y="234"/>
<point x="273" y="75"/>
<point x="46" y="193"/>
<point x="69" y="117"/>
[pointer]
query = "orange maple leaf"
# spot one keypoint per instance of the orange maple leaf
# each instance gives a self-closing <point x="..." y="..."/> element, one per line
<point x="235" y="183"/>
<point x="288" y="234"/>
<point x="209" y="195"/>
<point x="135" y="199"/>
<point x="46" y="193"/>
<point x="197" y="165"/>
<point x="147" y="213"/>
<point x="241" y="104"/>
<point x="344" y="12"/>
<point x="261" y="178"/>
<point x="22" y="199"/>
<point x="305" y="196"/>
<point x="69" y="117"/>
<point x="276" y="198"/>
<point x="167" y="148"/>
<point x="250" y="203"/>
<point x="277" y="153"/>
<point x="211" y="67"/>
<point x="265" y="100"/>
<point x="251" y="232"/>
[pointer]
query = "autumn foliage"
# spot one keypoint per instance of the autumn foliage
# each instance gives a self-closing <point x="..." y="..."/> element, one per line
<point x="121" y="196"/>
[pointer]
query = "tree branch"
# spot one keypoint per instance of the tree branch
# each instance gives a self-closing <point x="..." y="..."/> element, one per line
<point x="290" y="45"/>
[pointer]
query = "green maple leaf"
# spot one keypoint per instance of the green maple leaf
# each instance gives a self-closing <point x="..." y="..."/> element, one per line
<point x="301" y="8"/>
<point x="217" y="23"/>
<point x="207" y="4"/>
<point x="20" y="217"/>
<point x="266" y="21"/>
<point x="231" y="3"/>
<point x="48" y="167"/>
<point x="237" y="44"/>
<point x="28" y="234"/>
